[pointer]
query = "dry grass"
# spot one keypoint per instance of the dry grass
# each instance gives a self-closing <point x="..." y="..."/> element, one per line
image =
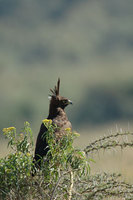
<point x="112" y="160"/>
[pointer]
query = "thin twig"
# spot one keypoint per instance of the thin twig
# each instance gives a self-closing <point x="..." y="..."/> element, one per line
<point x="71" y="186"/>
<point x="52" y="195"/>
<point x="87" y="149"/>
<point x="41" y="191"/>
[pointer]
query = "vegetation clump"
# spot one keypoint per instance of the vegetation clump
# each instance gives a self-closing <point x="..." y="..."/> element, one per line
<point x="65" y="171"/>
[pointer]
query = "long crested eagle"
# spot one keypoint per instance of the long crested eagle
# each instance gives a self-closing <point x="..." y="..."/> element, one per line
<point x="58" y="117"/>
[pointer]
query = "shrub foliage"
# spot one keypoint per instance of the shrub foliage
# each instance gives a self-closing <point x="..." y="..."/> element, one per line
<point x="65" y="171"/>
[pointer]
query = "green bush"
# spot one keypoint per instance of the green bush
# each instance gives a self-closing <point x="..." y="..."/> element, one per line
<point x="15" y="169"/>
<point x="65" y="171"/>
<point x="62" y="162"/>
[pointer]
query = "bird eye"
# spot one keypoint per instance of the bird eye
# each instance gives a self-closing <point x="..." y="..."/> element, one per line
<point x="64" y="101"/>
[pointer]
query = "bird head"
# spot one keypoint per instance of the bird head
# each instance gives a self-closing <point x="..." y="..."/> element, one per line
<point x="57" y="100"/>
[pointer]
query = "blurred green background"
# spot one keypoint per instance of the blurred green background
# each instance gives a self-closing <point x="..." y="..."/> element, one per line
<point x="88" y="44"/>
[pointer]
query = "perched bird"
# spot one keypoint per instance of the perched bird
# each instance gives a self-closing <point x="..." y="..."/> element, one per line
<point x="58" y="117"/>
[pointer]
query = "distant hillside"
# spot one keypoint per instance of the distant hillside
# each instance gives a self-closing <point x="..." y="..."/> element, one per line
<point x="89" y="44"/>
<point x="64" y="32"/>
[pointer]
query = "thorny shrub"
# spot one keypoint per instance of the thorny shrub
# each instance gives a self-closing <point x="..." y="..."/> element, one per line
<point x="65" y="171"/>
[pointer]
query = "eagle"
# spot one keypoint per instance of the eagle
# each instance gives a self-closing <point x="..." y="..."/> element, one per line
<point x="59" y="118"/>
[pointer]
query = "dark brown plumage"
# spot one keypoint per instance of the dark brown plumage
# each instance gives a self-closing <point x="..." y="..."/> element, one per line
<point x="58" y="117"/>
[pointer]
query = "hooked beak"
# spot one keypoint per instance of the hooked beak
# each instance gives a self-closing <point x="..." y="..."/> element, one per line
<point x="70" y="102"/>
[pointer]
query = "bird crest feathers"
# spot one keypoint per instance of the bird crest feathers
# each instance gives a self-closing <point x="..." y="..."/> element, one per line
<point x="55" y="91"/>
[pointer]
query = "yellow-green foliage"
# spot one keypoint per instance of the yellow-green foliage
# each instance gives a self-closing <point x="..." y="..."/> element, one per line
<point x="16" y="168"/>
<point x="65" y="171"/>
